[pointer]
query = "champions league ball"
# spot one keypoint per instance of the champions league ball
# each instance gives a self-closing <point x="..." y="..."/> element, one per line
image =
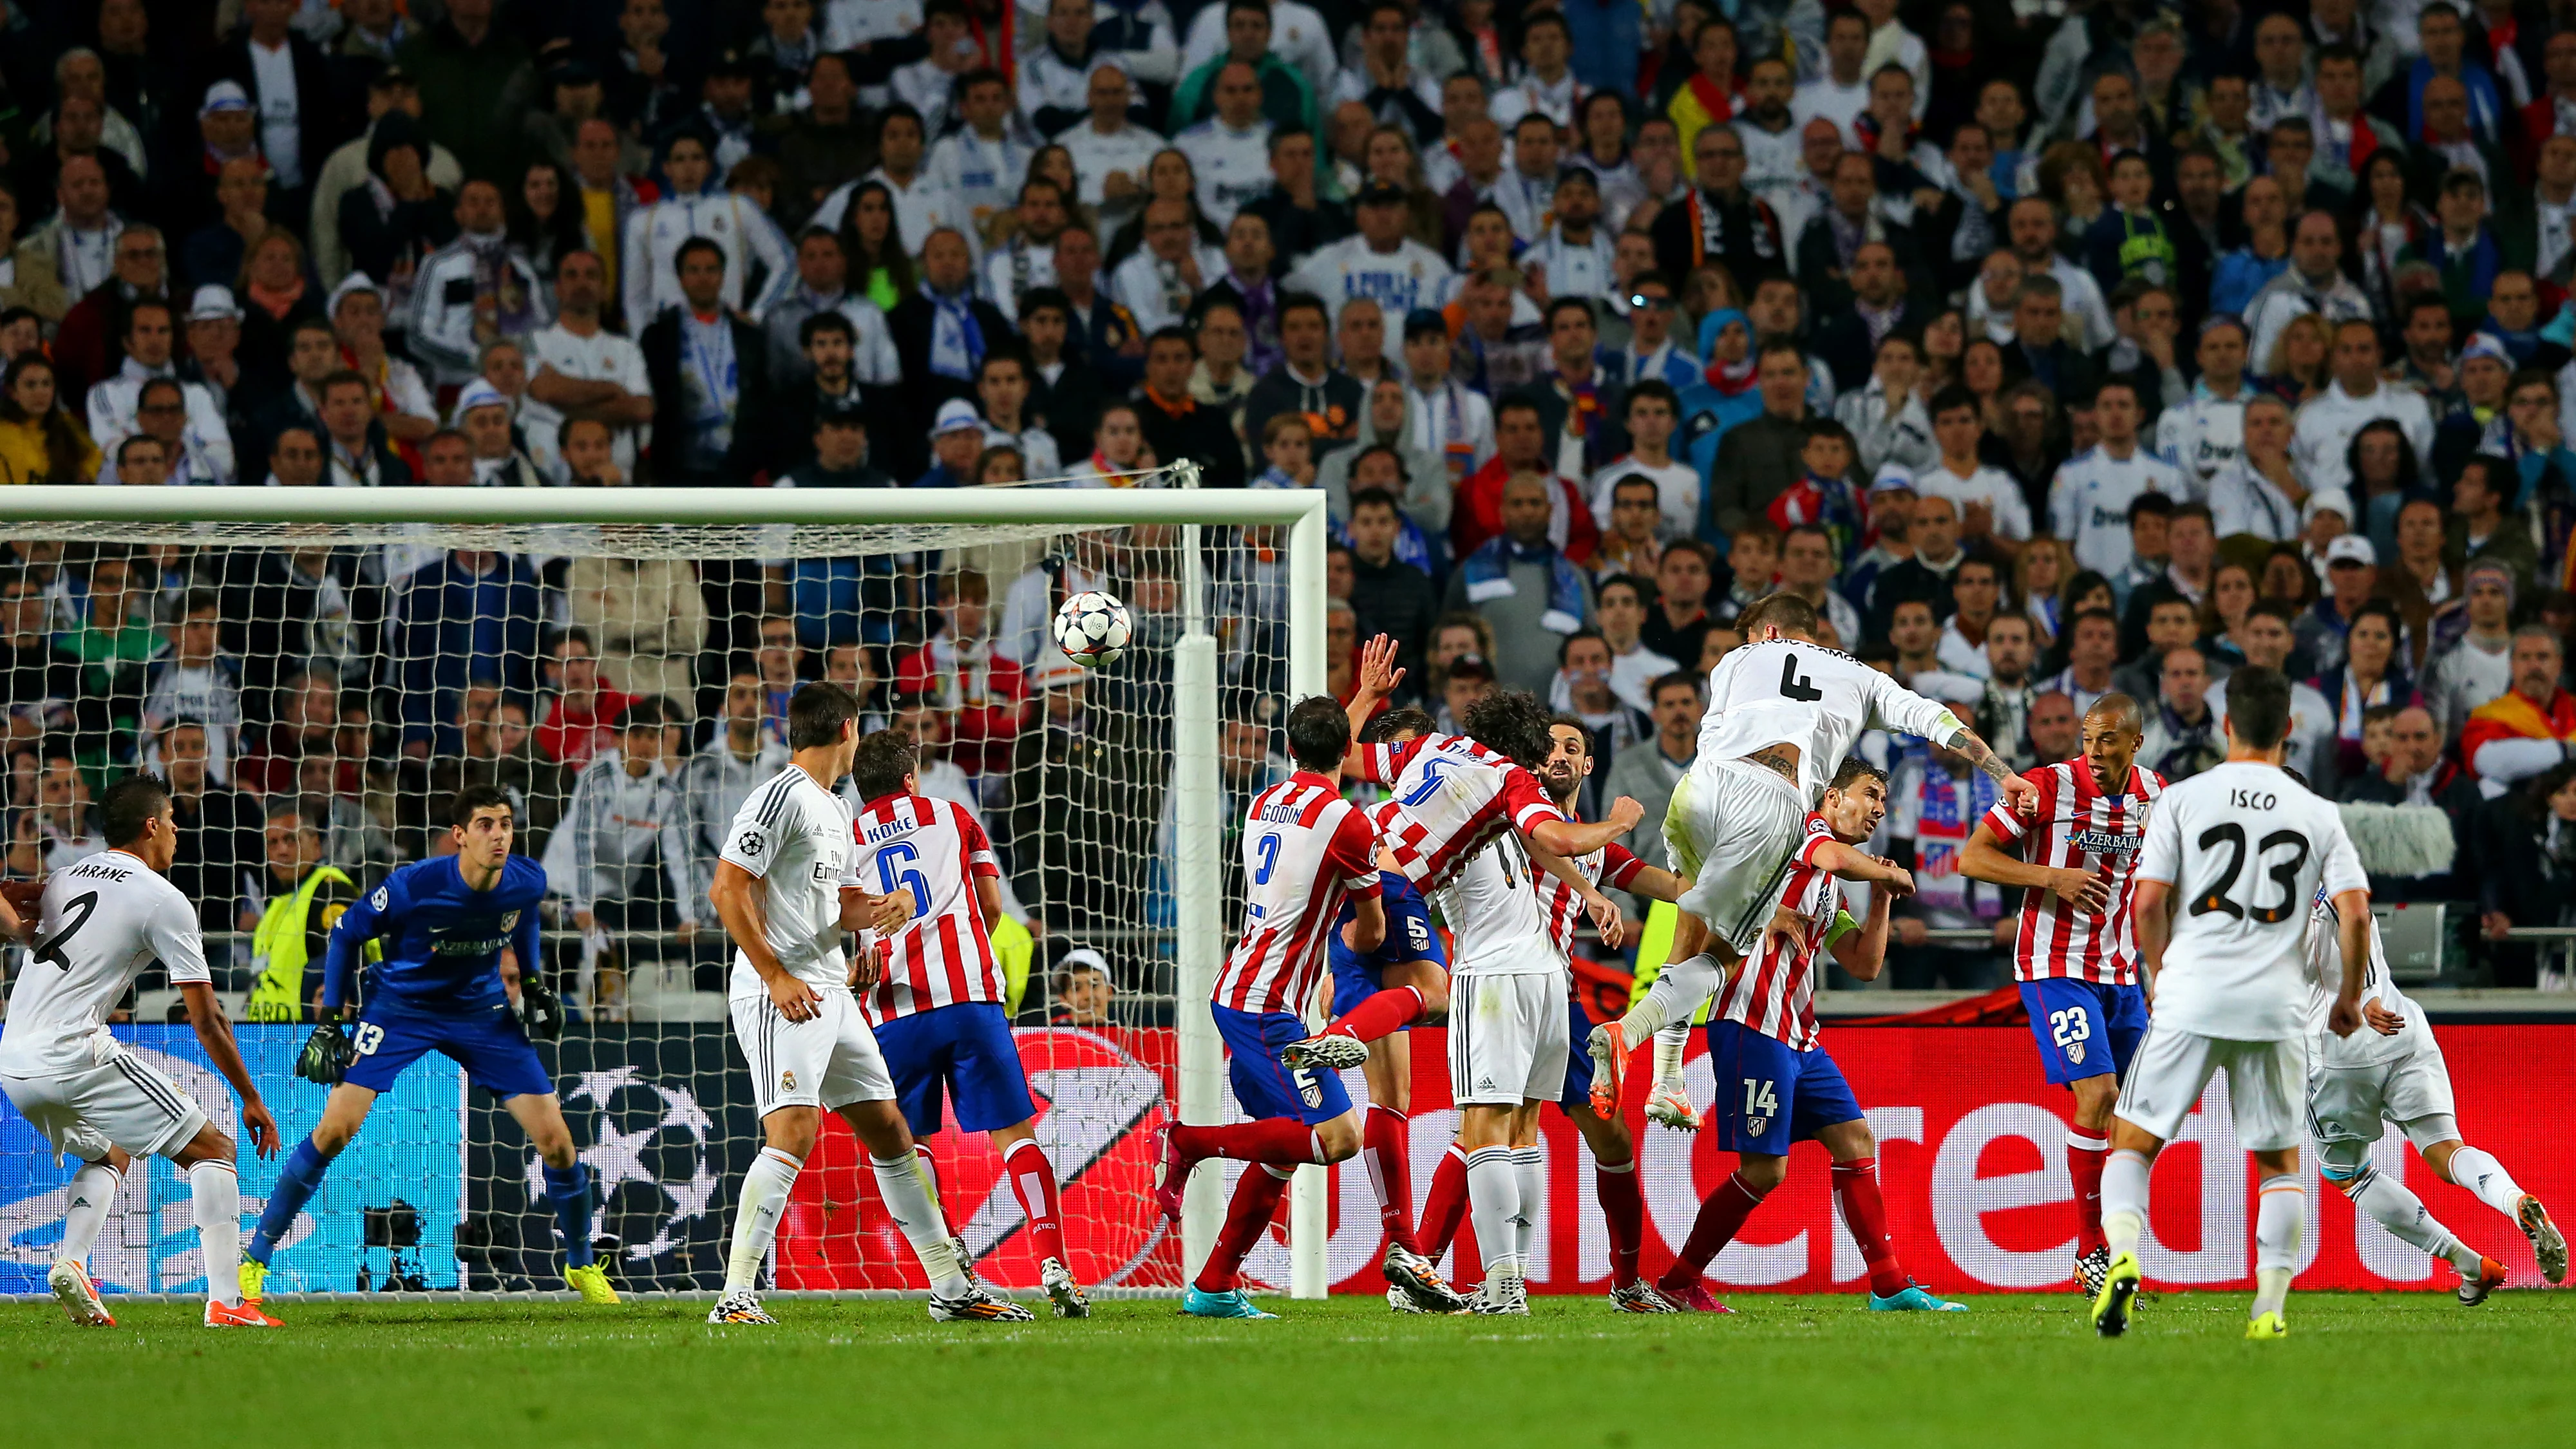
<point x="1092" y="629"/>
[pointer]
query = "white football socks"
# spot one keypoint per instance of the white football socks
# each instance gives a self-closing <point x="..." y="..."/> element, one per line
<point x="1677" y="993"/>
<point x="2476" y="1169"/>
<point x="2124" y="1200"/>
<point x="214" y="1197"/>
<point x="2280" y="1218"/>
<point x="1493" y="1202"/>
<point x="765" y="1186"/>
<point x="2394" y="1206"/>
<point x="906" y="1186"/>
<point x="93" y="1192"/>
<point x="1670" y="1039"/>
<point x="1529" y="1174"/>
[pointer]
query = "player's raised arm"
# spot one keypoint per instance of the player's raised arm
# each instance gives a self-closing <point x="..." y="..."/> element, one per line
<point x="1984" y="858"/>
<point x="1845" y="862"/>
<point x="1378" y="677"/>
<point x="1559" y="836"/>
<point x="1895" y="707"/>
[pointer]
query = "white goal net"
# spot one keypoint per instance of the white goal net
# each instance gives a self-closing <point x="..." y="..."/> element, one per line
<point x="318" y="672"/>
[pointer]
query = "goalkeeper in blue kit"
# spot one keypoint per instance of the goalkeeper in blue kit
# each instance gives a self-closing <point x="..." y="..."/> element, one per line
<point x="443" y="924"/>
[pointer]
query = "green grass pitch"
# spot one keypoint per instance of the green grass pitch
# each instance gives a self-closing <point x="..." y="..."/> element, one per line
<point x="2398" y="1369"/>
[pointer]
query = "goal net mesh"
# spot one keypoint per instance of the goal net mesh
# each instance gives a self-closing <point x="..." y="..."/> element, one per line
<point x="318" y="693"/>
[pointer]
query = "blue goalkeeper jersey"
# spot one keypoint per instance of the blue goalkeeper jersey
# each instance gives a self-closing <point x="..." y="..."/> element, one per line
<point x="442" y="941"/>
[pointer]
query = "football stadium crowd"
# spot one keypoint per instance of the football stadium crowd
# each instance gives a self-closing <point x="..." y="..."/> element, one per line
<point x="2051" y="349"/>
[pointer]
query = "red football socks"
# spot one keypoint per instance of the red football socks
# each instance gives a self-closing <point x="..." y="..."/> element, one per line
<point x="1386" y="1146"/>
<point x="1256" y="1199"/>
<point x="1445" y="1205"/>
<point x="1384" y="1014"/>
<point x="1623" y="1208"/>
<point x="1033" y="1183"/>
<point x="1281" y="1141"/>
<point x="1719" y="1219"/>
<point x="1865" y="1215"/>
<point x="2085" y="1154"/>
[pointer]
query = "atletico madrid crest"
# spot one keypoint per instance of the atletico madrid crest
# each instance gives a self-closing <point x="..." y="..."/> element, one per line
<point x="2075" y="1052"/>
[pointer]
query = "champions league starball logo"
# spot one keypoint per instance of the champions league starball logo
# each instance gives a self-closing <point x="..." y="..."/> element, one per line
<point x="646" y="1133"/>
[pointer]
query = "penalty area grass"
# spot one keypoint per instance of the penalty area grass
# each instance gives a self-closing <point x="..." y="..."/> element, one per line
<point x="2396" y="1369"/>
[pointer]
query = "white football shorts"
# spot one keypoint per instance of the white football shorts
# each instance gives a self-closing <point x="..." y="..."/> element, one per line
<point x="2351" y="1104"/>
<point x="828" y="1060"/>
<point x="124" y="1101"/>
<point x="1732" y="831"/>
<point x="2266" y="1085"/>
<point x="1507" y="1039"/>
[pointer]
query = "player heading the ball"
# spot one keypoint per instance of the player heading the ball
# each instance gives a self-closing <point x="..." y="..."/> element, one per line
<point x="442" y="986"/>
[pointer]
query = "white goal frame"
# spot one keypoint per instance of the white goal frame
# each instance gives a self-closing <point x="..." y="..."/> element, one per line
<point x="1198" y="867"/>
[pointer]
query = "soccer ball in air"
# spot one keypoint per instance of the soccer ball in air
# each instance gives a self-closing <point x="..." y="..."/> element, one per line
<point x="1092" y="629"/>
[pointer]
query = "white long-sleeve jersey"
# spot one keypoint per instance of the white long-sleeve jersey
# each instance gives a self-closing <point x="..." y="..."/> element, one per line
<point x="2088" y="503"/>
<point x="649" y="273"/>
<point x="2204" y="436"/>
<point x="115" y="405"/>
<point x="612" y="827"/>
<point x="979" y="172"/>
<point x="1233" y="166"/>
<point x="1818" y="699"/>
<point x="2329" y="421"/>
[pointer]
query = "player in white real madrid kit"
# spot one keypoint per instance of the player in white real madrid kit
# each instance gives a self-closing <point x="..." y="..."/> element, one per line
<point x="101" y="923"/>
<point x="1783" y="710"/>
<point x="2231" y="859"/>
<point x="2393" y="1072"/>
<point x="787" y="886"/>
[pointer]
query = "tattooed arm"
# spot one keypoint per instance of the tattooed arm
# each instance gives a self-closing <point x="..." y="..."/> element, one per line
<point x="2023" y="794"/>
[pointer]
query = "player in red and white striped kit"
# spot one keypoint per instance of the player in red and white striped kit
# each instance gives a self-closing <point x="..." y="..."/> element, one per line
<point x="1304" y="849"/>
<point x="1606" y="1137"/>
<point x="2076" y="956"/>
<point x="938" y="1013"/>
<point x="1775" y="1084"/>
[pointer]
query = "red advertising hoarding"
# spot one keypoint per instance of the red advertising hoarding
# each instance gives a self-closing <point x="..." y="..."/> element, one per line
<point x="1972" y="1161"/>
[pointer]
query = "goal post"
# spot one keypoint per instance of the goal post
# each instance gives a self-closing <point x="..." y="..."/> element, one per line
<point x="1213" y="639"/>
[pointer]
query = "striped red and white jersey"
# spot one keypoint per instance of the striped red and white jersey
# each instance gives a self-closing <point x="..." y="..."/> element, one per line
<point x="2078" y="827"/>
<point x="944" y="955"/>
<point x="1611" y="867"/>
<point x="1775" y="992"/>
<point x="1452" y="797"/>
<point x="1304" y="849"/>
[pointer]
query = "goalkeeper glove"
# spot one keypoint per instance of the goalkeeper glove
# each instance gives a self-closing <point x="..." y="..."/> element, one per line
<point x="326" y="1055"/>
<point x="541" y="1013"/>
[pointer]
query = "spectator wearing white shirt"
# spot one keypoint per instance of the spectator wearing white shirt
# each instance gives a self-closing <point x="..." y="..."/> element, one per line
<point x="1977" y="590"/>
<point x="920" y="205"/>
<point x="115" y="403"/>
<point x="1002" y="387"/>
<point x="1526" y="188"/>
<point x="1547" y="84"/>
<point x="581" y="369"/>
<point x="1381" y="263"/>
<point x="1027" y="260"/>
<point x="1991" y="506"/>
<point x="2260" y="491"/>
<point x="2206" y="434"/>
<point x="2358" y="396"/>
<point x="1055" y="79"/>
<point x="981" y="163"/>
<point x="2089" y="499"/>
<point x="1841" y="94"/>
<point x="1653" y="412"/>
<point x="1574" y="256"/>
<point x="1110" y="152"/>
<point x="929" y="85"/>
<point x="2313" y="283"/>
<point x="1229" y="152"/>
<point x="1158" y="283"/>
<point x="648" y="270"/>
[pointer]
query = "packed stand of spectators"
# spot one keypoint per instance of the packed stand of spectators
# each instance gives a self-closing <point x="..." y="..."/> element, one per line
<point x="2052" y="350"/>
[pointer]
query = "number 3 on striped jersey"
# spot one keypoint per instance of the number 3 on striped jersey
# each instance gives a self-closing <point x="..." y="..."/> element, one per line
<point x="1268" y="848"/>
<point x="889" y="877"/>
